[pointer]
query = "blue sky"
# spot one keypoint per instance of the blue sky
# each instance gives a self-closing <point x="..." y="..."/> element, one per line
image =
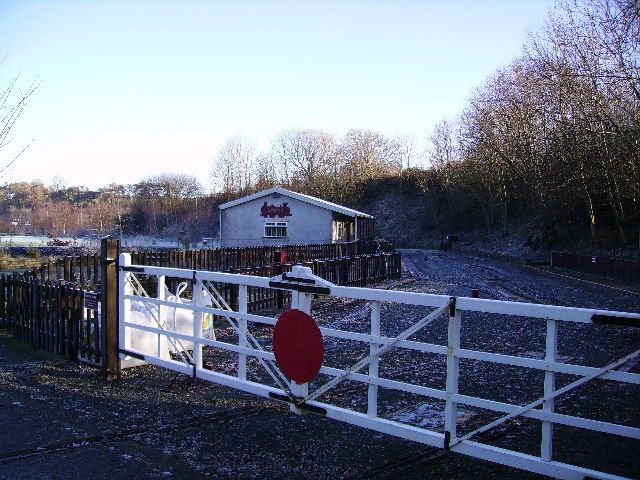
<point x="132" y="89"/>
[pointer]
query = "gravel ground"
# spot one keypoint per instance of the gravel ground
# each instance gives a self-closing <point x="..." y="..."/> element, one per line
<point x="62" y="420"/>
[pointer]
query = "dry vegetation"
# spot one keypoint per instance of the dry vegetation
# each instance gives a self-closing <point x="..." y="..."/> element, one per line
<point x="11" y="262"/>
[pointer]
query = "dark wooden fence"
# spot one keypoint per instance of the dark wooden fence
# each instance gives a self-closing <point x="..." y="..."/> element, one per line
<point x="81" y="270"/>
<point x="236" y="258"/>
<point x="354" y="272"/>
<point x="49" y="315"/>
<point x="357" y="271"/>
<point x="46" y="306"/>
<point x="84" y="270"/>
<point x="621" y="269"/>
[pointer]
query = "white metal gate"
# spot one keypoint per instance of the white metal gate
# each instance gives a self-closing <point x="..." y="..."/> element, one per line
<point x="182" y="351"/>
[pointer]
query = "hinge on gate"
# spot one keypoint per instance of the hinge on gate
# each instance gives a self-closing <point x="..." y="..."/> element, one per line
<point x="289" y="278"/>
<point x="131" y="269"/>
<point x="139" y="356"/>
<point x="304" y="288"/>
<point x="452" y="307"/>
<point x="298" y="402"/>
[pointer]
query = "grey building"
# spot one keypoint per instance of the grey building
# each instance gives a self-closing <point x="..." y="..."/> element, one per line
<point x="277" y="216"/>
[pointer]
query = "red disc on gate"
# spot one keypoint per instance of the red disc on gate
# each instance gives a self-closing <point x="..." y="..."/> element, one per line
<point x="298" y="346"/>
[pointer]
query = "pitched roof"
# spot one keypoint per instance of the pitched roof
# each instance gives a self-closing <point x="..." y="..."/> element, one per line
<point x="298" y="196"/>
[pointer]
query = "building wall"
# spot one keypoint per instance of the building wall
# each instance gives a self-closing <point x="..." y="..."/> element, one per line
<point x="244" y="224"/>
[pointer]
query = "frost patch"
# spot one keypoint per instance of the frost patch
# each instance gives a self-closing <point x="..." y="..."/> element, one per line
<point x="426" y="415"/>
<point x="559" y="358"/>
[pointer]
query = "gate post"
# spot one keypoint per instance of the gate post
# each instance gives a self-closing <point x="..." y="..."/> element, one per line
<point x="109" y="252"/>
<point x="453" y="367"/>
<point x="242" y="333"/>
<point x="300" y="301"/>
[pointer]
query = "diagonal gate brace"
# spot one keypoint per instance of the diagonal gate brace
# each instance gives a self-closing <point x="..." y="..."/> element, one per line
<point x="540" y="401"/>
<point x="377" y="353"/>
<point x="270" y="366"/>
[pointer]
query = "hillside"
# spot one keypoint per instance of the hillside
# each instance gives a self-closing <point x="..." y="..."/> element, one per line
<point x="405" y="215"/>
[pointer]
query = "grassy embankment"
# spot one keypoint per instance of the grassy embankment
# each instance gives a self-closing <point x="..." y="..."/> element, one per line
<point x="19" y="262"/>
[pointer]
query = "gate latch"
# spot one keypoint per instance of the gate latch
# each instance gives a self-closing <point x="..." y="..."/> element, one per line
<point x="299" y="284"/>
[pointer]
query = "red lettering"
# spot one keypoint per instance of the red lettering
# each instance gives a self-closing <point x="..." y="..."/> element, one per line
<point x="271" y="211"/>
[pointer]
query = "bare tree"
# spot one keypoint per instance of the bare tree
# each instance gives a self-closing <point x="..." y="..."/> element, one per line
<point x="590" y="53"/>
<point x="266" y="175"/>
<point x="58" y="183"/>
<point x="305" y="155"/>
<point x="369" y="155"/>
<point x="233" y="168"/>
<point x="13" y="101"/>
<point x="441" y="144"/>
<point x="163" y="200"/>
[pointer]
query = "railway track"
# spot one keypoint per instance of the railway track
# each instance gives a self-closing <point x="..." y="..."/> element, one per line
<point x="400" y="467"/>
<point x="124" y="434"/>
<point x="591" y="280"/>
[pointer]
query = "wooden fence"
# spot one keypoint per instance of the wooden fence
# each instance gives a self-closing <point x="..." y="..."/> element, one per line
<point x="50" y="315"/>
<point x="624" y="270"/>
<point x="349" y="271"/>
<point x="82" y="270"/>
<point x="354" y="272"/>
<point x="46" y="306"/>
<point x="236" y="258"/>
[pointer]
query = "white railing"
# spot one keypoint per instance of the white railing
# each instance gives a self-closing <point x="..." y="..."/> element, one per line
<point x="303" y="285"/>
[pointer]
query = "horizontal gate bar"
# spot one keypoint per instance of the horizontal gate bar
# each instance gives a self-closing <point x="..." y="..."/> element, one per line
<point x="521" y="309"/>
<point x="571" y="369"/>
<point x="495" y="406"/>
<point x="559" y="418"/>
<point x="533" y="363"/>
<point x="222" y="277"/>
<point x="300" y="287"/>
<point x="378" y="424"/>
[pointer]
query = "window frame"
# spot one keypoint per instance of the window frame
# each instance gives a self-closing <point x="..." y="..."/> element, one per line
<point x="276" y="226"/>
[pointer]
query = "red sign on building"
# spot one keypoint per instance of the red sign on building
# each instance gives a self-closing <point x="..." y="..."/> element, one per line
<point x="271" y="211"/>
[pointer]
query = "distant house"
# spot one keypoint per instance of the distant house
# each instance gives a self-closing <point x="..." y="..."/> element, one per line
<point x="277" y="216"/>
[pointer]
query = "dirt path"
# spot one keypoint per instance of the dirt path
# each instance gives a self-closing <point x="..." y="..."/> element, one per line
<point x="457" y="274"/>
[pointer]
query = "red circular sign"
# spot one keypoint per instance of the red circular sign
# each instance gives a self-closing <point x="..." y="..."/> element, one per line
<point x="298" y="346"/>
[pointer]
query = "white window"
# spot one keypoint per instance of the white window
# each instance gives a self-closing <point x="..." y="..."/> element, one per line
<point x="275" y="229"/>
